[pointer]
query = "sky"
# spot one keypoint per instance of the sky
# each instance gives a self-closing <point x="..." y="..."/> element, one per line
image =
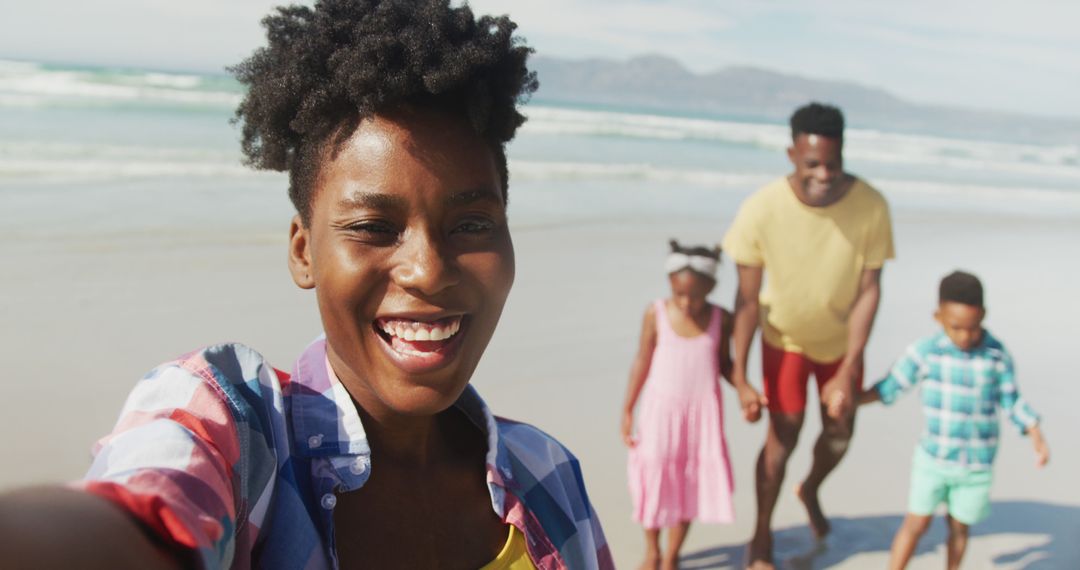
<point x="995" y="54"/>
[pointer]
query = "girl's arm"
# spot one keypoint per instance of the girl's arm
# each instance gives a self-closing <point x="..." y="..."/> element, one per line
<point x="638" y="372"/>
<point x="726" y="330"/>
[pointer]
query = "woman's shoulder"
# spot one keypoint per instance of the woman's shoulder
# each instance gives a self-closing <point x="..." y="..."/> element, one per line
<point x="224" y="363"/>
<point x="234" y="374"/>
<point x="533" y="447"/>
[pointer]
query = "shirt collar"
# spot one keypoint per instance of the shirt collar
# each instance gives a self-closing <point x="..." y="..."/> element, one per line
<point x="326" y="424"/>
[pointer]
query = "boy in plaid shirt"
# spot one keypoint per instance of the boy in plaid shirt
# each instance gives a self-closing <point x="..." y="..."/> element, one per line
<point x="967" y="377"/>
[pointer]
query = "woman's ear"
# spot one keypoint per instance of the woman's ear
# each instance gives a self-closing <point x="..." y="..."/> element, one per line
<point x="300" y="254"/>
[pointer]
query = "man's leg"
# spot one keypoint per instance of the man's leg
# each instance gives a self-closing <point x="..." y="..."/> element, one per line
<point x="785" y="375"/>
<point x="907" y="538"/>
<point x="771" y="466"/>
<point x="958" y="539"/>
<point x="829" y="449"/>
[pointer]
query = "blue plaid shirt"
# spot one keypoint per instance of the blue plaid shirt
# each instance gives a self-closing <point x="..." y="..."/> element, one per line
<point x="962" y="392"/>
<point x="221" y="454"/>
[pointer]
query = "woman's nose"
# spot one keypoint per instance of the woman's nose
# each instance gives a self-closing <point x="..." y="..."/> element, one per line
<point x="425" y="265"/>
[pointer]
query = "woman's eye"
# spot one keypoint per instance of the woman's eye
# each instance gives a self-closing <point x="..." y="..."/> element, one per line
<point x="474" y="226"/>
<point x="380" y="231"/>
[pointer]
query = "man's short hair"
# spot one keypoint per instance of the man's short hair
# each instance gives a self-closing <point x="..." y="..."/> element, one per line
<point x="961" y="287"/>
<point x="817" y="119"/>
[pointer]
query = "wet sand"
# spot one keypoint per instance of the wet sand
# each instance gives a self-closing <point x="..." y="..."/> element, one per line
<point x="88" y="309"/>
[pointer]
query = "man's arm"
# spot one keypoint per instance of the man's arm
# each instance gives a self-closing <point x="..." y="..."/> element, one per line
<point x="58" y="527"/>
<point x="840" y="390"/>
<point x="746" y="323"/>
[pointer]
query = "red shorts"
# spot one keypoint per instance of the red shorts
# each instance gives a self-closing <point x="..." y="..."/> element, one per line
<point x="787" y="375"/>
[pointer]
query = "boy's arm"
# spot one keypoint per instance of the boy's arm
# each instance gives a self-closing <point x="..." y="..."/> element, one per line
<point x="1020" y="413"/>
<point x="638" y="372"/>
<point x="905" y="373"/>
<point x="1038" y="442"/>
<point x="868" y="396"/>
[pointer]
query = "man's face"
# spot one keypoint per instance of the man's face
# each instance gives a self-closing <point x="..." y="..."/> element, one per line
<point x="962" y="323"/>
<point x="819" y="169"/>
<point x="410" y="256"/>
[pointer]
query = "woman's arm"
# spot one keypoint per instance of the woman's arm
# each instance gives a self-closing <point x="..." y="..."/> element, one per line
<point x="58" y="527"/>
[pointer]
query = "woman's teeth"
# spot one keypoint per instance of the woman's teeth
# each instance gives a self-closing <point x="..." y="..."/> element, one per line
<point x="418" y="331"/>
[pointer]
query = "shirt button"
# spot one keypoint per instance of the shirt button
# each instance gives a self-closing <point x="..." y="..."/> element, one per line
<point x="329" y="501"/>
<point x="358" y="466"/>
<point x="315" y="441"/>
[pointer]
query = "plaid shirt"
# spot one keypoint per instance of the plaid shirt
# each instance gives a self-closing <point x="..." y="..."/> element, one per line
<point x="220" y="453"/>
<point x="962" y="392"/>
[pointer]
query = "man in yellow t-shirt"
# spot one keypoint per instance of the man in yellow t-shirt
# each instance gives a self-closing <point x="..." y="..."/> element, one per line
<point x="822" y="236"/>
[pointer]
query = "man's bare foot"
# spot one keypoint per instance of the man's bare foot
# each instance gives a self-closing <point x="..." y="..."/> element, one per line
<point x="819" y="525"/>
<point x="759" y="553"/>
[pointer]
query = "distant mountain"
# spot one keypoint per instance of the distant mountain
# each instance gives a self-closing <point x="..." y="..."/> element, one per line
<point x="661" y="84"/>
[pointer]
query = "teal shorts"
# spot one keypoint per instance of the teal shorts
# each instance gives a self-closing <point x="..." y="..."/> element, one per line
<point x="966" y="493"/>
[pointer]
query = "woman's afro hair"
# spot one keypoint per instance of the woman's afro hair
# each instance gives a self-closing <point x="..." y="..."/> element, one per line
<point x="329" y="66"/>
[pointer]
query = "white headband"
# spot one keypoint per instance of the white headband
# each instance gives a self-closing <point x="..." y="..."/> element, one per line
<point x="700" y="263"/>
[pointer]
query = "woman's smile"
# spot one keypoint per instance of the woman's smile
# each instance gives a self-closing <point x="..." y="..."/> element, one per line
<point x="421" y="345"/>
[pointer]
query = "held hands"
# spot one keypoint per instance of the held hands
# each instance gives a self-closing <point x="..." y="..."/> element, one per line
<point x="837" y="394"/>
<point x="751" y="402"/>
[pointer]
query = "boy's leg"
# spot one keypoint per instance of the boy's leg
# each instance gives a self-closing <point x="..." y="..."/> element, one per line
<point x="958" y="537"/>
<point x="676" y="536"/>
<point x="929" y="487"/>
<point x="969" y="503"/>
<point x="907" y="538"/>
<point x="829" y="449"/>
<point x="652" y="549"/>
<point x="785" y="386"/>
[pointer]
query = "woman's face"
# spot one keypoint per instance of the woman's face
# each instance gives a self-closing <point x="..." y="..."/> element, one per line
<point x="411" y="260"/>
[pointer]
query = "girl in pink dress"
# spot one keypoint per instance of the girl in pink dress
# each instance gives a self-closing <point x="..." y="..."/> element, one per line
<point x="678" y="467"/>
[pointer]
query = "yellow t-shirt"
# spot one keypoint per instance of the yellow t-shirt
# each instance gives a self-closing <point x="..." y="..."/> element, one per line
<point x="813" y="259"/>
<point x="513" y="556"/>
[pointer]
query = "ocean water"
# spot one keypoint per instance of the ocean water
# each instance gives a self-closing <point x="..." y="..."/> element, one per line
<point x="114" y="149"/>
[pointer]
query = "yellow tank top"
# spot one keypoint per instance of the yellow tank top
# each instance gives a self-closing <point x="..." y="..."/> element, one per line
<point x="513" y="556"/>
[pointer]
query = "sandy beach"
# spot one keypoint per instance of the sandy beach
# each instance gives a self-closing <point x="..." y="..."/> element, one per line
<point x="94" y="297"/>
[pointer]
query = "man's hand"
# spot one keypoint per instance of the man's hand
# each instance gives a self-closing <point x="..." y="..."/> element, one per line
<point x="837" y="394"/>
<point x="628" y="429"/>
<point x="751" y="402"/>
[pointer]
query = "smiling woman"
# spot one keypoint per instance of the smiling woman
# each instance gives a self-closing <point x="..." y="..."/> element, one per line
<point x="391" y="118"/>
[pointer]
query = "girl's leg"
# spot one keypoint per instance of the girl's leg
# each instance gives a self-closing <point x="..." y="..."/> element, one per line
<point x="676" y="536"/>
<point x="652" y="549"/>
<point x="958" y="537"/>
<point x="907" y="538"/>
